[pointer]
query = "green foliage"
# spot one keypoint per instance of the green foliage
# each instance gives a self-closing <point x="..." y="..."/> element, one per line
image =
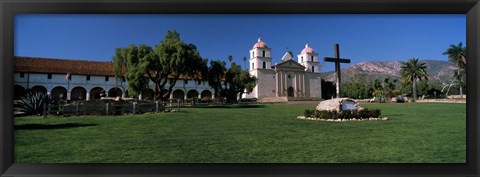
<point x="237" y="81"/>
<point x="357" y="87"/>
<point x="166" y="63"/>
<point x="216" y="74"/>
<point x="131" y="64"/>
<point x="349" y="114"/>
<point x="411" y="71"/>
<point x="32" y="103"/>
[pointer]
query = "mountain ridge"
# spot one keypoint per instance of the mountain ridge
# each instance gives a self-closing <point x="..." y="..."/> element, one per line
<point x="381" y="69"/>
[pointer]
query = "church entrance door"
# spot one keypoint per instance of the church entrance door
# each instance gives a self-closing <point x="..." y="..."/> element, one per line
<point x="290" y="92"/>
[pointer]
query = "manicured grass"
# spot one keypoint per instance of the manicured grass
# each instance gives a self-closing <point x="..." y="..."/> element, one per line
<point x="414" y="133"/>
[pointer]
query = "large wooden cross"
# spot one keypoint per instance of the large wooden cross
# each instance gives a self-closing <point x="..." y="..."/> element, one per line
<point x="337" y="61"/>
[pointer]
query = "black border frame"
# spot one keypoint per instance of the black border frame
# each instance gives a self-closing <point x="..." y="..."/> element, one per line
<point x="9" y="8"/>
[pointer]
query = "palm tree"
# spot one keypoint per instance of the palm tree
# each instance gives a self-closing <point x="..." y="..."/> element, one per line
<point x="457" y="54"/>
<point x="230" y="58"/>
<point x="245" y="62"/>
<point x="411" y="71"/>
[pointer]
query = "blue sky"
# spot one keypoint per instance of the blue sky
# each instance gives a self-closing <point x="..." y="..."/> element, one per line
<point x="361" y="37"/>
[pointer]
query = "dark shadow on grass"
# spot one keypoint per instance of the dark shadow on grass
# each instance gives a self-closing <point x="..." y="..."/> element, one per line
<point x="50" y="126"/>
<point x="232" y="106"/>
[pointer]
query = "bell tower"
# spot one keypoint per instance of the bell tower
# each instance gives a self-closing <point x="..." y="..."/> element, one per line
<point x="260" y="57"/>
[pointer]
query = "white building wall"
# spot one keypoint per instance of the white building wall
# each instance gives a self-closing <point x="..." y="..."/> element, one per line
<point x="314" y="85"/>
<point x="266" y="83"/>
<point x="33" y="79"/>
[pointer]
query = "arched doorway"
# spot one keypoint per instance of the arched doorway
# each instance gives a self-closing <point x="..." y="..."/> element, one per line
<point x="59" y="93"/>
<point x="78" y="93"/>
<point x="18" y="91"/>
<point x="290" y="92"/>
<point x="95" y="93"/>
<point x="115" y="92"/>
<point x="206" y="94"/>
<point x="178" y="94"/>
<point x="39" y="88"/>
<point x="148" y="94"/>
<point x="192" y="94"/>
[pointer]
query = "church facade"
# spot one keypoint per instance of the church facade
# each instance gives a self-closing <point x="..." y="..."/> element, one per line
<point x="287" y="80"/>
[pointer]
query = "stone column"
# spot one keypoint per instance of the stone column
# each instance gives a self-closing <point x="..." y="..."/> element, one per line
<point x="87" y="96"/>
<point x="281" y="83"/>
<point x="69" y="94"/>
<point x="295" y="85"/>
<point x="286" y="84"/>
<point x="304" y="86"/>
<point x="277" y="84"/>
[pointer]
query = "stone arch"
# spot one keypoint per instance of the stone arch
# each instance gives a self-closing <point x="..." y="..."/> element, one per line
<point x="192" y="94"/>
<point x="78" y="93"/>
<point x="39" y="88"/>
<point x="115" y="92"/>
<point x="18" y="91"/>
<point x="148" y="94"/>
<point x="95" y="93"/>
<point x="59" y="93"/>
<point x="206" y="94"/>
<point x="179" y="94"/>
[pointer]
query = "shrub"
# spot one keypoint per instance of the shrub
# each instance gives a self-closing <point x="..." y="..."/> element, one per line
<point x="33" y="103"/>
<point x="308" y="113"/>
<point x="349" y="114"/>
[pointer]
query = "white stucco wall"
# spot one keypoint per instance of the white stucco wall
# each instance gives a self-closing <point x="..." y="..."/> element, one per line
<point x="58" y="80"/>
<point x="314" y="85"/>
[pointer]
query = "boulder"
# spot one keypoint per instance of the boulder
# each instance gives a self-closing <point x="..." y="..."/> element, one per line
<point x="334" y="104"/>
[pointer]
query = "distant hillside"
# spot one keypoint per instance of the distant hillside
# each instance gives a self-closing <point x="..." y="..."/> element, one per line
<point x="382" y="69"/>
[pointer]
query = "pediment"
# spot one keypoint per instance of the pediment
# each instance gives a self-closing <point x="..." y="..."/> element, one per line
<point x="290" y="64"/>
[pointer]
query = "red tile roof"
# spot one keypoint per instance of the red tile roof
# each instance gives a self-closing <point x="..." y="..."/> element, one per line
<point x="62" y="66"/>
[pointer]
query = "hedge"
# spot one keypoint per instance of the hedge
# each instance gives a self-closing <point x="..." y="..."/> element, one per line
<point x="349" y="114"/>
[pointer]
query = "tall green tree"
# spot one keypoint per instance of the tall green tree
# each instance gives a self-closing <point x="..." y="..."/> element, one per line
<point x="238" y="81"/>
<point x="411" y="71"/>
<point x="216" y="74"/>
<point x="130" y="63"/>
<point x="169" y="60"/>
<point x="457" y="54"/>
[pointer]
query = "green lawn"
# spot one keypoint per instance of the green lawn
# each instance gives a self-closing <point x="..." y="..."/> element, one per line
<point x="414" y="133"/>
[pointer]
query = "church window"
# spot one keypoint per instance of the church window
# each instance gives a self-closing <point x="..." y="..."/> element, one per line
<point x="264" y="65"/>
<point x="123" y="79"/>
<point x="312" y="58"/>
<point x="313" y="68"/>
<point x="49" y="75"/>
<point x="263" y="53"/>
<point x="253" y="54"/>
<point x="88" y="77"/>
<point x="289" y="76"/>
<point x="199" y="82"/>
<point x="186" y="81"/>
<point x="253" y="64"/>
<point x="107" y="78"/>
<point x="22" y="75"/>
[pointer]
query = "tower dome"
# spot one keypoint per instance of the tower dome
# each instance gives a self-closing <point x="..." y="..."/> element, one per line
<point x="260" y="44"/>
<point x="307" y="49"/>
